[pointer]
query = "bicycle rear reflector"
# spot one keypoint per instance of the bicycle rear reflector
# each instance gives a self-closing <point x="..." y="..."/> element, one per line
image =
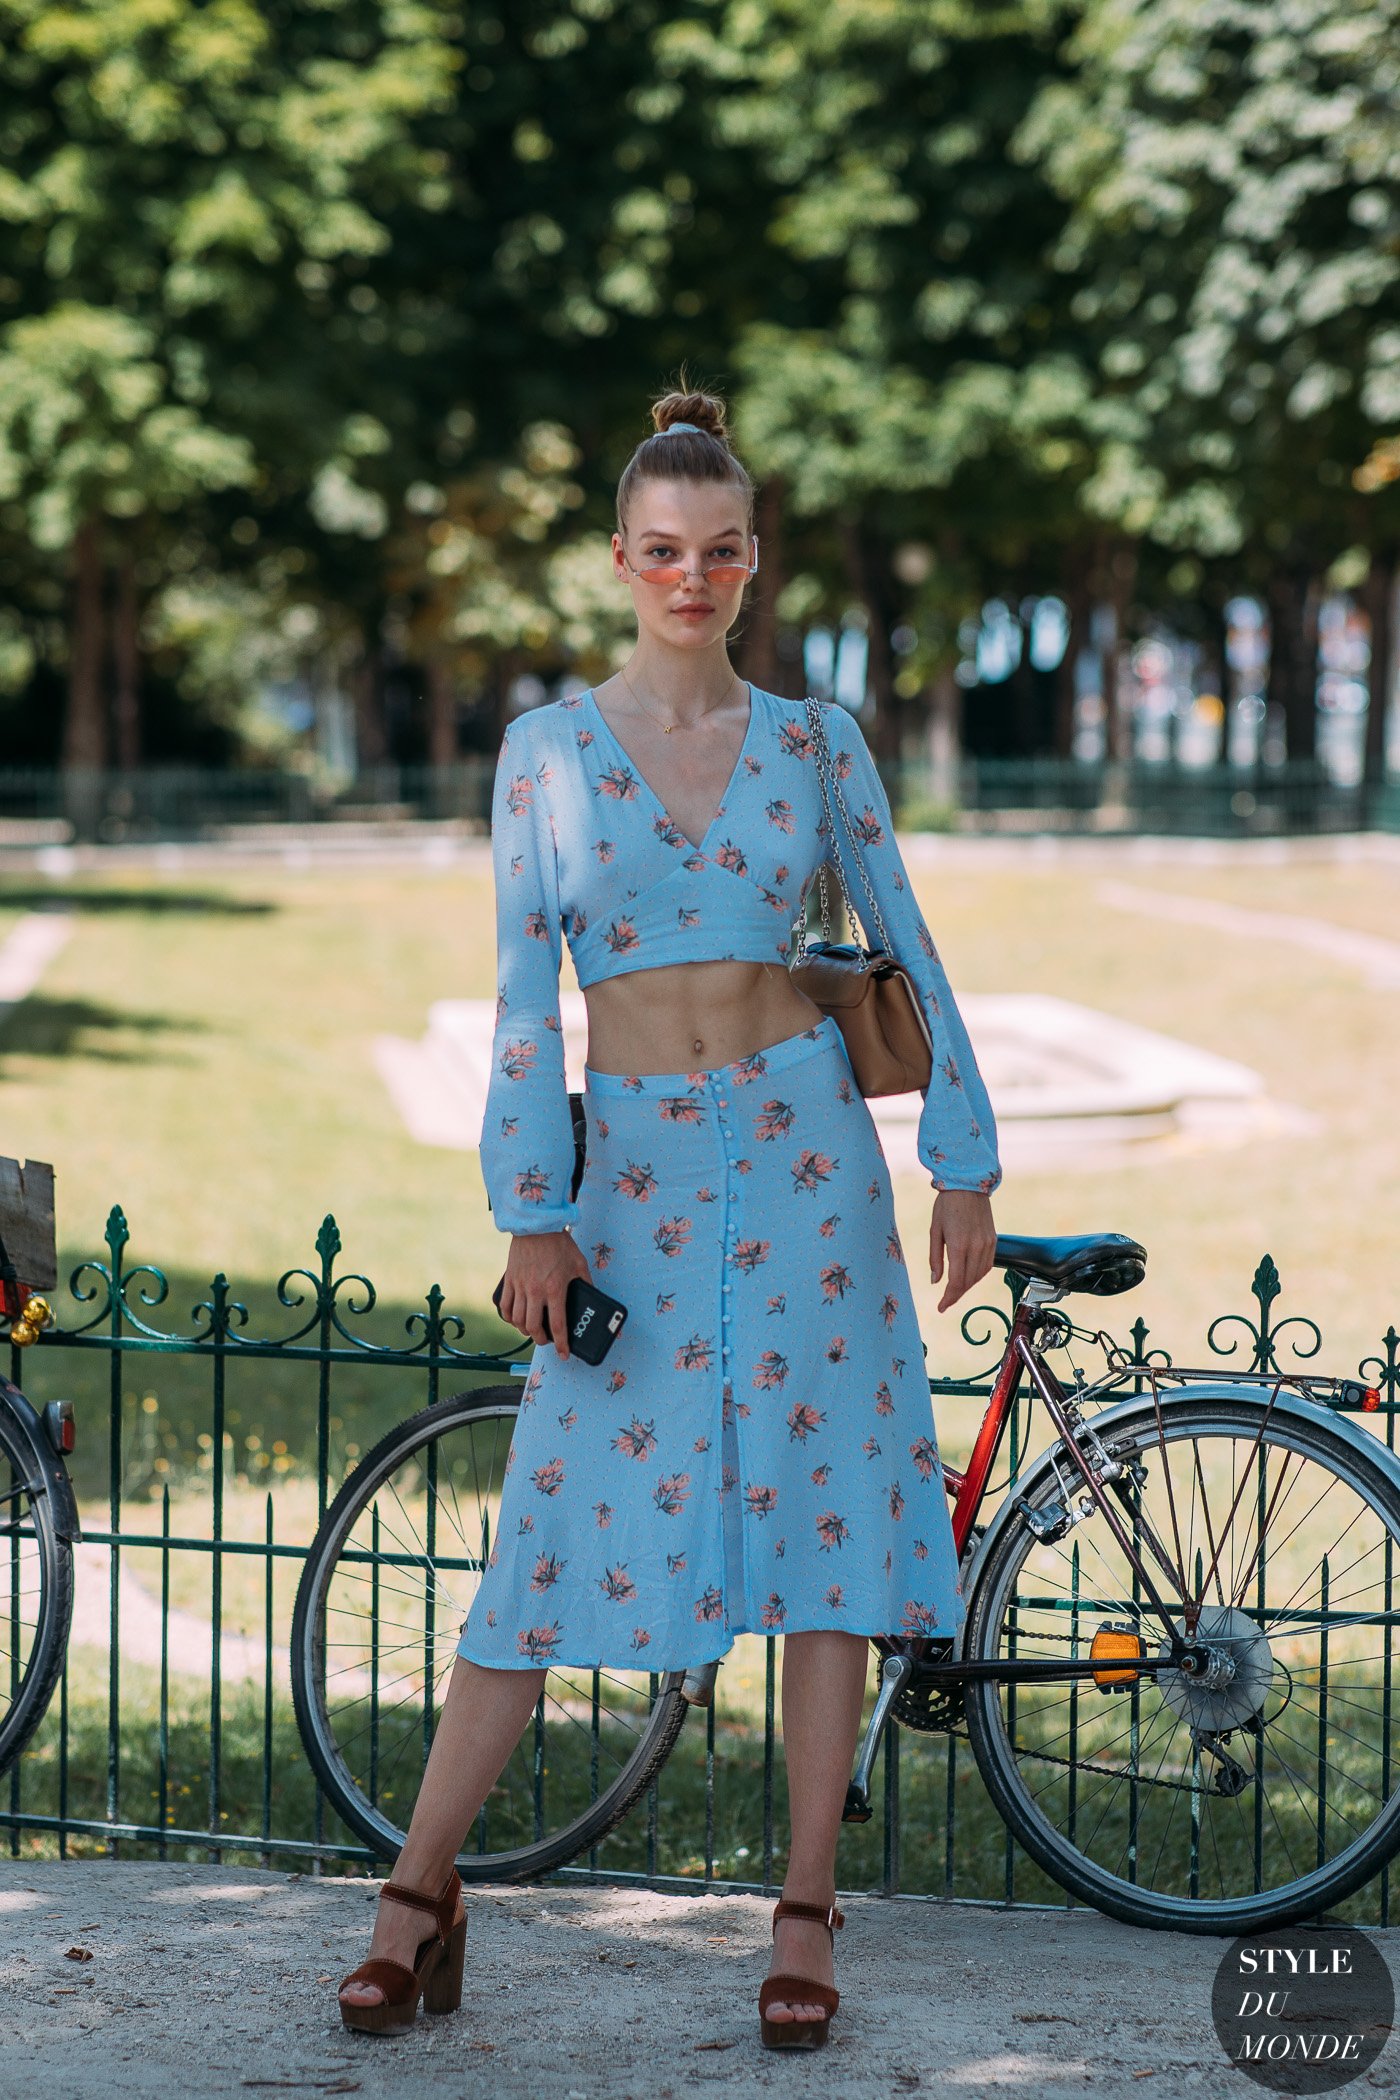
<point x="1115" y="1642"/>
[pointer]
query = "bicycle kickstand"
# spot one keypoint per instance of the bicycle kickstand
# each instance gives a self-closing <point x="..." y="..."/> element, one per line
<point x="895" y="1673"/>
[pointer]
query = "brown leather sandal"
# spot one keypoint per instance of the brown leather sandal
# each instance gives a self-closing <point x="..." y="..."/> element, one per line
<point x="798" y="1990"/>
<point x="436" y="1973"/>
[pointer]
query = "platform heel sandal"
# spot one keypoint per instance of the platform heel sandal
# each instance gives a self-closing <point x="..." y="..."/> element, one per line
<point x="436" y="1974"/>
<point x="798" y="1990"/>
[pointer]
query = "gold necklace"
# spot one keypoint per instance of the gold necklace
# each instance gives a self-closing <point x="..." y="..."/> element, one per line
<point x="668" y="726"/>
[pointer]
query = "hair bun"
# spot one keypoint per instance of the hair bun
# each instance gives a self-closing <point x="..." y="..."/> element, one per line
<point x="706" y="411"/>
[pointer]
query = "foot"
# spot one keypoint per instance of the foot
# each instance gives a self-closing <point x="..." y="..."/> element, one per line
<point x="801" y="1947"/>
<point x="399" y="1935"/>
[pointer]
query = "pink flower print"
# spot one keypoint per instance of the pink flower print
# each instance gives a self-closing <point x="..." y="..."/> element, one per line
<point x="531" y="1385"/>
<point x="780" y="816"/>
<point x="828" y="1225"/>
<point x="670" y="1493"/>
<point x="520" y="793"/>
<point x="897" y="1366"/>
<point x="731" y="857"/>
<point x="603" y="1128"/>
<point x="743" y="1070"/>
<point x="774" y="899"/>
<point x="637" y="1440"/>
<point x="622" y="937"/>
<point x="636" y="1182"/>
<point x="524" y="1527"/>
<point x="774" y="1121"/>
<point x="666" y="831"/>
<point x="537" y="925"/>
<point x="728" y="1478"/>
<point x="548" y="1478"/>
<point x="709" y="1605"/>
<point x="670" y="1236"/>
<point x="771" y="1370"/>
<point x="781" y="874"/>
<point x="778" y="1304"/>
<point x="795" y="741"/>
<point x="532" y="1185"/>
<point x="919" y="1618"/>
<point x="675" y="1563"/>
<point x="950" y="1071"/>
<point x="680" y="1108"/>
<point x="820" y="1476"/>
<point x="811" y="1169"/>
<point x="548" y="1569"/>
<point x="702" y="1443"/>
<point x="617" y="1379"/>
<point x="836" y="1280"/>
<point x="924" y="1453"/>
<point x="748" y="1254"/>
<point x="743" y="1166"/>
<point x="602" y="1254"/>
<point x="884" y="1399"/>
<point x="803" y="1421"/>
<point x="640" y="1637"/>
<point x="868" y="828"/>
<point x="835" y="1351"/>
<point x="926" y="943"/>
<point x="568" y="1418"/>
<point x="539" y="1643"/>
<point x="490" y="1618"/>
<point x="843" y="1090"/>
<point x="773" y="1613"/>
<point x="893" y="1245"/>
<point x="687" y="916"/>
<point x="617" y="1585"/>
<point x="517" y="1058"/>
<point x="706" y="1196"/>
<point x="578" y="924"/>
<point x="583" y="738"/>
<point x="842" y="762"/>
<point x="696" y="1354"/>
<point x="665" y="1301"/>
<point x="896" y="1501"/>
<point x="872" y="1190"/>
<point x="920" y="1549"/>
<point x="619" y="783"/>
<point x="753" y="765"/>
<point x="762" y="1501"/>
<point x="889" y="1308"/>
<point x="889" y="1562"/>
<point x="831" y="1531"/>
<point x="835" y="1597"/>
<point x="603" y="1512"/>
<point x="871" y="1447"/>
<point x="779" y="1548"/>
<point x="693" y="863"/>
<point x="605" y="850"/>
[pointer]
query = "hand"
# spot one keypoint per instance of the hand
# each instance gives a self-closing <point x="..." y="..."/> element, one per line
<point x="962" y="1225"/>
<point x="539" y="1269"/>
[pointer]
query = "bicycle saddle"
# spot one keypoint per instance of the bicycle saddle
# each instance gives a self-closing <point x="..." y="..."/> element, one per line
<point x="1098" y="1262"/>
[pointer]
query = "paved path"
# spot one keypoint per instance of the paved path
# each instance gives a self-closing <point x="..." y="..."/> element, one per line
<point x="221" y="1981"/>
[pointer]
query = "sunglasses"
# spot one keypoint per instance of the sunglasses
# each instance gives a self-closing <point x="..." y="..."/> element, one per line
<point x="717" y="572"/>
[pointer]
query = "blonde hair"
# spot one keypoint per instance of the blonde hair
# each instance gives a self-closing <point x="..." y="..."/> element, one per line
<point x="702" y="454"/>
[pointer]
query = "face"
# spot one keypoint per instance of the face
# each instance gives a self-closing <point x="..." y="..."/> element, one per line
<point x="685" y="524"/>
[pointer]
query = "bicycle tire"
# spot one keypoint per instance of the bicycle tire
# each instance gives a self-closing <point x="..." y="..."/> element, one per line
<point x="33" y="1690"/>
<point x="367" y="1816"/>
<point x="1017" y="1799"/>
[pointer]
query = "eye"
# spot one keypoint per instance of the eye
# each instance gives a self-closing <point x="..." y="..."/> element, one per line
<point x="660" y="547"/>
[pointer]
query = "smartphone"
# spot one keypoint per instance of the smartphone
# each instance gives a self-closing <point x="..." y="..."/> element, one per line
<point x="594" y="1319"/>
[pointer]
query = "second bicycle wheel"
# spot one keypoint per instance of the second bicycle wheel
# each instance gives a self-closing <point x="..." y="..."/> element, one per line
<point x="379" y="1611"/>
<point x="1262" y="1791"/>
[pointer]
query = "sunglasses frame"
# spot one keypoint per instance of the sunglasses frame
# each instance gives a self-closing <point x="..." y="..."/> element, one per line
<point x="665" y="574"/>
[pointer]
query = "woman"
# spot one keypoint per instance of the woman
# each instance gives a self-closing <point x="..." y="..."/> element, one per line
<point x="757" y="1453"/>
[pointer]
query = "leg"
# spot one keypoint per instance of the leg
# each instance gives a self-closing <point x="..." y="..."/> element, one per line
<point x="482" y="1719"/>
<point x="823" y="1685"/>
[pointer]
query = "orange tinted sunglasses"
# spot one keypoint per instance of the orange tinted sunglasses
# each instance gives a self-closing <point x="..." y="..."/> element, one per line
<point x="720" y="572"/>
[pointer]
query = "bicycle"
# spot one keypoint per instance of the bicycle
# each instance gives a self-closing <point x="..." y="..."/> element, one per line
<point x="1177" y="1642"/>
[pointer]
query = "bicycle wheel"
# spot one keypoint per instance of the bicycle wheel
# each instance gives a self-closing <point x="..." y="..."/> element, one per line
<point x="36" y="1596"/>
<point x="1263" y="1792"/>
<point x="379" y="1610"/>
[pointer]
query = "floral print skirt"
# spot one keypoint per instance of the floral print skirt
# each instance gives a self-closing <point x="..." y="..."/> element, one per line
<point x="756" y="1453"/>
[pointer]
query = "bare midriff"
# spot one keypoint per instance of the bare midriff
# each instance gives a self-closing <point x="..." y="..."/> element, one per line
<point x="687" y="1017"/>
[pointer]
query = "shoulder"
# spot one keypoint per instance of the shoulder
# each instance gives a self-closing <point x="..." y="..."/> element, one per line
<point x="539" y="731"/>
<point x="843" y="732"/>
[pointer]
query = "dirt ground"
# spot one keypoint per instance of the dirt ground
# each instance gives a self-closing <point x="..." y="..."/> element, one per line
<point x="221" y="1980"/>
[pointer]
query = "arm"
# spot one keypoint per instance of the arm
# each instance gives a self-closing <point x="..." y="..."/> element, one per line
<point x="527" y="1140"/>
<point x="957" y="1130"/>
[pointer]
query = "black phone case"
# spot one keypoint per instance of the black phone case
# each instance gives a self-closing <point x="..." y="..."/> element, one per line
<point x="594" y="1319"/>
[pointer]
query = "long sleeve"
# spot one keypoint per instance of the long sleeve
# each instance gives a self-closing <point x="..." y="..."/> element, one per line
<point x="527" y="1139"/>
<point x="957" y="1130"/>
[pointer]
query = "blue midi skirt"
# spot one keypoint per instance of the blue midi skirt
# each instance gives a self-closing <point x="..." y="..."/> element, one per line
<point x="756" y="1453"/>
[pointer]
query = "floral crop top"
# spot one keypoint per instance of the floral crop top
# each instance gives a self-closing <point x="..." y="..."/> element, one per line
<point x="581" y="844"/>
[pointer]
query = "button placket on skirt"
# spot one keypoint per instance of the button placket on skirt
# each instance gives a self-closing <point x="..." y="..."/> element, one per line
<point x="737" y="1583"/>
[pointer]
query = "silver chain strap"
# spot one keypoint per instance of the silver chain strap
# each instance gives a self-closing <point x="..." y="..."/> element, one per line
<point x="826" y="774"/>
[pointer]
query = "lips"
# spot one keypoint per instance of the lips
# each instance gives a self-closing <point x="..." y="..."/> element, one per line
<point x="692" y="612"/>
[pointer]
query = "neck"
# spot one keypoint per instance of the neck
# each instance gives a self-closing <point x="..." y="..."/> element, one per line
<point x="682" y="682"/>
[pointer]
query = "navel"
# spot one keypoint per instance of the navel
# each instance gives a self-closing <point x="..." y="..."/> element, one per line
<point x="697" y="1045"/>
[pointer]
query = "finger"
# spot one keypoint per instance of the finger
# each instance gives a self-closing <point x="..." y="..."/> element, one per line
<point x="534" y="1320"/>
<point x="935" y="1249"/>
<point x="558" y="1320"/>
<point x="958" y="1278"/>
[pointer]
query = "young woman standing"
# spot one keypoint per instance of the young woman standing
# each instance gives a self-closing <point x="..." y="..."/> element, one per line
<point x="758" y="1454"/>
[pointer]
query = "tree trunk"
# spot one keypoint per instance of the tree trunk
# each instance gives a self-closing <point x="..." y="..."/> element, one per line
<point x="945" y="736"/>
<point x="1292" y="682"/>
<point x="442" y="714"/>
<point x="1378" y="600"/>
<point x="868" y="574"/>
<point x="126" y="661"/>
<point x="85" y="727"/>
<point x="367" y="685"/>
<point x="1077" y="600"/>
<point x="758" y="656"/>
<point x="1119" y="575"/>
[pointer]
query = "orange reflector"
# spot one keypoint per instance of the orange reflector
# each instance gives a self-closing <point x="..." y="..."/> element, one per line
<point x="1370" y="1400"/>
<point x="1115" y="1642"/>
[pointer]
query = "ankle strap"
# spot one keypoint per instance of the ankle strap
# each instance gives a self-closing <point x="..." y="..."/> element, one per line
<point x="785" y="1907"/>
<point x="440" y="1908"/>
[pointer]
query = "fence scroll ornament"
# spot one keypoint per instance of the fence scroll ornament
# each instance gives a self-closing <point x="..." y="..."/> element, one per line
<point x="332" y="1321"/>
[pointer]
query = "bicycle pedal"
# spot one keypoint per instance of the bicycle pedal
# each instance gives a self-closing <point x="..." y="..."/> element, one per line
<point x="858" y="1808"/>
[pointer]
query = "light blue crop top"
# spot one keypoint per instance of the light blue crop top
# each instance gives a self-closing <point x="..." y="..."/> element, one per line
<point x="581" y="844"/>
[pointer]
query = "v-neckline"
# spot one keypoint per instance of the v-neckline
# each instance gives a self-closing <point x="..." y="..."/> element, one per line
<point x="729" y="785"/>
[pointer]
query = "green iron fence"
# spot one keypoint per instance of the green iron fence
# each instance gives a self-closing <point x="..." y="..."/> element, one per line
<point x="207" y="1454"/>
